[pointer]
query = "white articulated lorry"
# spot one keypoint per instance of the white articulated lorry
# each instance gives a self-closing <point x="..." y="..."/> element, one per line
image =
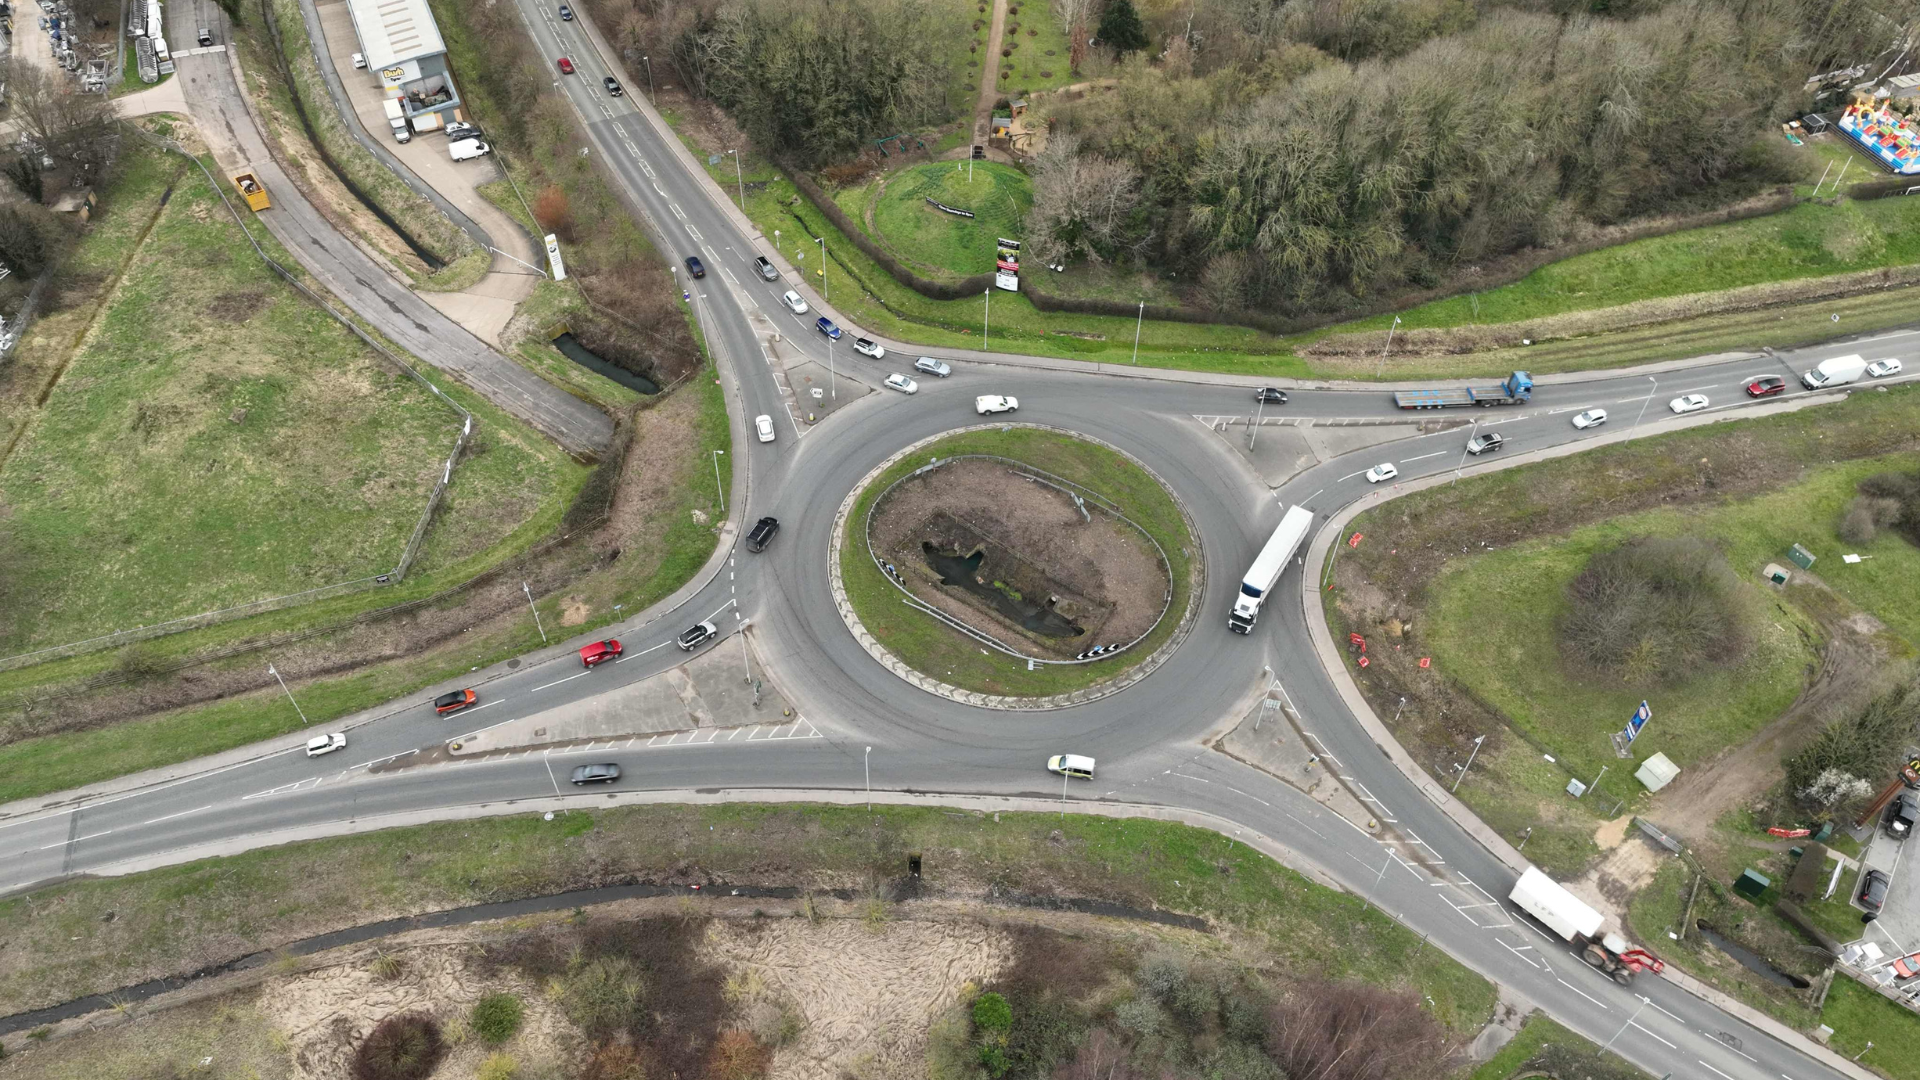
<point x="1266" y="568"/>
<point x="1838" y="371"/>
<point x="1574" y="922"/>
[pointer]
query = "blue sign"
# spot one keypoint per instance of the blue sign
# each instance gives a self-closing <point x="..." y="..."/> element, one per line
<point x="1640" y="717"/>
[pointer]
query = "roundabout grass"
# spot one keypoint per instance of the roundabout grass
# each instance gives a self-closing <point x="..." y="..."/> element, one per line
<point x="998" y="195"/>
<point x="945" y="654"/>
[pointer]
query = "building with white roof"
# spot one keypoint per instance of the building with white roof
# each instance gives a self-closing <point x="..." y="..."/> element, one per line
<point x="404" y="50"/>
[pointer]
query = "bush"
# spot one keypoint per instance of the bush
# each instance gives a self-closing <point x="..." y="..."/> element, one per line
<point x="601" y="996"/>
<point x="402" y="1047"/>
<point x="613" y="1061"/>
<point x="495" y="1017"/>
<point x="554" y="213"/>
<point x="1656" y="611"/>
<point x="1893" y="501"/>
<point x="1352" y="1031"/>
<point x="1865" y="744"/>
<point x="991" y="1013"/>
<point x="498" y="1067"/>
<point x="735" y="1056"/>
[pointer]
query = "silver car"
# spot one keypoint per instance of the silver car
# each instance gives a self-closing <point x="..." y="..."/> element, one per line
<point x="936" y="368"/>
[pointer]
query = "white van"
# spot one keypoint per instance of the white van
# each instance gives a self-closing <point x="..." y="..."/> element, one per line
<point x="1071" y="765"/>
<point x="397" y="120"/>
<point x="468" y="149"/>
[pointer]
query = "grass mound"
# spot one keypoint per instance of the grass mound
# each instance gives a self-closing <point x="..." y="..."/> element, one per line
<point x="1656" y="610"/>
<point x="998" y="196"/>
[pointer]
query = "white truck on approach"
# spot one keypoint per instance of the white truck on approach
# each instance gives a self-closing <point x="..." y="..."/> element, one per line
<point x="1573" y="921"/>
<point x="1267" y="565"/>
<point x="1838" y="371"/>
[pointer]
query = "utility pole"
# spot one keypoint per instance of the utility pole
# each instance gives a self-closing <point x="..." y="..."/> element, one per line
<point x="1259" y="410"/>
<point x="746" y="664"/>
<point x="986" y="314"/>
<point x="1463" y="769"/>
<point x="289" y="693"/>
<point x="536" y="612"/>
<point x="1595" y="786"/>
<point x="651" y="97"/>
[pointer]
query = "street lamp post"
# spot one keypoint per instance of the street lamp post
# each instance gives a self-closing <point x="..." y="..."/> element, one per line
<point x="1463" y="451"/>
<point x="525" y="588"/>
<point x="738" y="178"/>
<point x="868" y="759"/>
<point x="651" y="97"/>
<point x="1651" y="392"/>
<point x="1463" y="769"/>
<point x="1259" y="410"/>
<point x="746" y="664"/>
<point x="1137" y="320"/>
<point x="1383" y="352"/>
<point x="986" y="314"/>
<point x="717" y="489"/>
<point x="289" y="693"/>
<point x="823" y="266"/>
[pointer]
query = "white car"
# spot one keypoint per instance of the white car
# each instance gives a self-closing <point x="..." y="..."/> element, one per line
<point x="1383" y="471"/>
<point x="936" y="368"/>
<point x="993" y="403"/>
<point x="793" y="302"/>
<point x="325" y="744"/>
<point x="1880" y="369"/>
<point x="869" y="347"/>
<point x="1590" y="418"/>
<point x="1075" y="765"/>
<point x="763" y="427"/>
<point x="1687" y="403"/>
<point x="359" y="62"/>
<point x="900" y="382"/>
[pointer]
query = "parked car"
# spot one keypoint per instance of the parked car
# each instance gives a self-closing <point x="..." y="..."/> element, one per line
<point x="1687" y="403"/>
<point x="566" y="13"/>
<point x="793" y="302"/>
<point x="1902" y="815"/>
<point x="869" y="347"/>
<point x="696" y="635"/>
<point x="1765" y="385"/>
<point x="695" y="267"/>
<point x="1880" y="369"/>
<point x="1873" y="893"/>
<point x="325" y="744"/>
<point x="604" y="773"/>
<point x="1071" y="765"/>
<point x="995" y="403"/>
<point x="460" y="129"/>
<point x="1590" y="418"/>
<point x="825" y="326"/>
<point x="1485" y="441"/>
<point x="467" y="149"/>
<point x="936" y="368"/>
<point x="614" y="89"/>
<point x="454" y="702"/>
<point x="359" y="62"/>
<point x="763" y="427"/>
<point x="600" y="652"/>
<point x="897" y="381"/>
<point x="1270" y="395"/>
<point x="763" y="533"/>
<point x="1386" y="470"/>
<point x="566" y="66"/>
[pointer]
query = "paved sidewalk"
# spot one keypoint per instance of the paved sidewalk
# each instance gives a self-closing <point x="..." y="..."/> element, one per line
<point x="1269" y="740"/>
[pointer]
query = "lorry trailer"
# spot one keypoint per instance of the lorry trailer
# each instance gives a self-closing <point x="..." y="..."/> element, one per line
<point x="1273" y="558"/>
<point x="1579" y="925"/>
<point x="1516" y="390"/>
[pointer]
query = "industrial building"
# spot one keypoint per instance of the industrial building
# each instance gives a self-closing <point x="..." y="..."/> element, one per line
<point x="404" y="51"/>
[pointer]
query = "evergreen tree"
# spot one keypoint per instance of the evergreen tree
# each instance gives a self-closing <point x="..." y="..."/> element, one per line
<point x="1120" y="27"/>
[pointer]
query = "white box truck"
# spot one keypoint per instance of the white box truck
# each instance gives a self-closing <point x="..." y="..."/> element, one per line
<point x="397" y="120"/>
<point x="1265" y="572"/>
<point x="1574" y="922"/>
<point x="1838" y="371"/>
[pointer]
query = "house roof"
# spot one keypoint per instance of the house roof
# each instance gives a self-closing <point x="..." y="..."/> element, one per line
<point x="393" y="31"/>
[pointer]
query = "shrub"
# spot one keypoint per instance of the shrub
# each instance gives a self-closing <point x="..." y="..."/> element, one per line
<point x="498" y="1067"/>
<point x="402" y="1047"/>
<point x="1352" y="1031"/>
<point x="554" y="213"/>
<point x="613" y="1061"/>
<point x="1656" y="610"/>
<point x="735" y="1056"/>
<point x="991" y="1013"/>
<point x="601" y="996"/>
<point x="1864" y="744"/>
<point x="495" y="1017"/>
<point x="1894" y="500"/>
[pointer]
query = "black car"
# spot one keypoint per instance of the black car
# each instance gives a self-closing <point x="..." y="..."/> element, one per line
<point x="604" y="773"/>
<point x="613" y="86"/>
<point x="1873" y="893"/>
<point x="1485" y="441"/>
<point x="762" y="534"/>
<point x="694" y="266"/>
<point x="696" y="635"/>
<point x="1270" y="395"/>
<point x="566" y="13"/>
<point x="1902" y="816"/>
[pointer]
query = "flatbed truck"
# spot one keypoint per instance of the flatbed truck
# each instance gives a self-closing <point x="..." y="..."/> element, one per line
<point x="1516" y="390"/>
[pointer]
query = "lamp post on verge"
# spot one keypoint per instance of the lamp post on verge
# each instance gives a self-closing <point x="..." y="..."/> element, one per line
<point x="1383" y="352"/>
<point x="1137" y="320"/>
<point x="1655" y="389"/>
<point x="717" y="489"/>
<point x="289" y="693"/>
<point x="1463" y="769"/>
<point x="986" y="314"/>
<point x="739" y="179"/>
<point x="1259" y="410"/>
<point x="536" y="612"/>
<point x="1463" y="452"/>
<point x="651" y="98"/>
<point x="867" y="758"/>
<point x="823" y="266"/>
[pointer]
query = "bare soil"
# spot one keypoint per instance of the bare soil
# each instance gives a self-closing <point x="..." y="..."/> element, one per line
<point x="1101" y="572"/>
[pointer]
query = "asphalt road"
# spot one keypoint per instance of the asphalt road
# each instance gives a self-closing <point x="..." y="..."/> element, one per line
<point x="1146" y="737"/>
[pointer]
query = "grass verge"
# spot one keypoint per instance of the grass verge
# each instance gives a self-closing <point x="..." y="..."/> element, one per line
<point x="182" y="917"/>
<point x="1859" y="1016"/>
<point x="932" y="239"/>
<point x="1544" y="1047"/>
<point x="929" y="646"/>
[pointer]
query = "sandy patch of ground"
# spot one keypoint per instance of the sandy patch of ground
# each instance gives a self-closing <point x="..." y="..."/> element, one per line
<point x="867" y="995"/>
<point x="574" y="611"/>
<point x="1628" y="867"/>
<point x="325" y="1013"/>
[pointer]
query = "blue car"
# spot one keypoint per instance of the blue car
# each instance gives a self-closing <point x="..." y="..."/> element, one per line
<point x="695" y="267"/>
<point x="826" y="327"/>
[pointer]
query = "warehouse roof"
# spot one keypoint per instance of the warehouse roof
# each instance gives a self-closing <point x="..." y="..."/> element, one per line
<point x="392" y="31"/>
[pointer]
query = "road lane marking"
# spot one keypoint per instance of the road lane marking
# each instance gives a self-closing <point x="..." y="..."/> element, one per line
<point x="1349" y="476"/>
<point x="75" y="840"/>
<point x="1424" y="457"/>
<point x="1715" y="1070"/>
<point x="1516" y="952"/>
<point x="1595" y="1000"/>
<point x="557" y="682"/>
<point x="643" y="652"/>
<point x="1650" y="1002"/>
<point x="310" y="781"/>
<point x="170" y="817"/>
<point x="1662" y="1042"/>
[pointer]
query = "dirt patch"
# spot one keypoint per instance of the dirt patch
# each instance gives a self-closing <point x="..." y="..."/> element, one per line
<point x="574" y="611"/>
<point x="1626" y="869"/>
<point x="1036" y="549"/>
<point x="236" y="307"/>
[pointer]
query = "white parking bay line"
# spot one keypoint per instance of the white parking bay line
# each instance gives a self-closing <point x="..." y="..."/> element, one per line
<point x="557" y="682"/>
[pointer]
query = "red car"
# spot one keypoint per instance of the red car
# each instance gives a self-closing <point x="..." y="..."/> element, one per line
<point x="1769" y="384"/>
<point x="600" y="652"/>
<point x="454" y="702"/>
<point x="566" y="66"/>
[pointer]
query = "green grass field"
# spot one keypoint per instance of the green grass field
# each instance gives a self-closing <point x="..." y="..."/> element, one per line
<point x="934" y="240"/>
<point x="218" y="439"/>
<point x="1545" y="1047"/>
<point x="1040" y="63"/>
<point x="947" y="655"/>
<point x="1858" y="1016"/>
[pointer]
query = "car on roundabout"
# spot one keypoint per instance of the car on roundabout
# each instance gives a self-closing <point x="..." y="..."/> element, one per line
<point x="1270" y="395"/>
<point x="1384" y="471"/>
<point x="1687" y="403"/>
<point x="826" y="326"/>
<point x="1074" y="765"/>
<point x="1590" y="418"/>
<point x="696" y="635"/>
<point x="599" y="652"/>
<point x="987" y="404"/>
<point x="929" y="366"/>
<point x="905" y="385"/>
<point x="1485" y="442"/>
<point x="762" y="534"/>
<point x="326" y="744"/>
<point x="869" y="347"/>
<point x="1880" y="369"/>
<point x="794" y="303"/>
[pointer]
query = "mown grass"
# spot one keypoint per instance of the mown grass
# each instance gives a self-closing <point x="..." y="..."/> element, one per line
<point x="1858" y="1016"/>
<point x="170" y="919"/>
<point x="929" y="646"/>
<point x="1540" y="1037"/>
<point x="920" y="235"/>
<point x="1040" y="63"/>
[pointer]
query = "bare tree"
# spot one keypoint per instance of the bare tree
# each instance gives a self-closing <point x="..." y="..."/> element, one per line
<point x="1353" y="1031"/>
<point x="65" y="123"/>
<point x="1073" y="15"/>
<point x="1081" y="202"/>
